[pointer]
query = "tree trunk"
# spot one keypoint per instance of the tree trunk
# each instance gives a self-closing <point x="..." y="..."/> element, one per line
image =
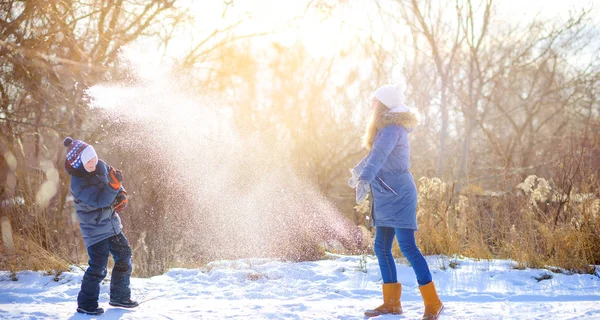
<point x="443" y="131"/>
<point x="7" y="237"/>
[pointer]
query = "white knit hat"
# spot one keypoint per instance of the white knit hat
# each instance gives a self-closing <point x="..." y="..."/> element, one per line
<point x="88" y="154"/>
<point x="392" y="96"/>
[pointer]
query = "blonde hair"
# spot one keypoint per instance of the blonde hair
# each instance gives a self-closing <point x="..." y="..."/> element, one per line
<point x="375" y="123"/>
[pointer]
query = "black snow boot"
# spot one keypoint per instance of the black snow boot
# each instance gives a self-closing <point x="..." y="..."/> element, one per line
<point x="91" y="312"/>
<point x="127" y="303"/>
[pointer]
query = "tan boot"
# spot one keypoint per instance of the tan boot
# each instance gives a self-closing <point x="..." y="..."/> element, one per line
<point x="391" y="301"/>
<point x="433" y="304"/>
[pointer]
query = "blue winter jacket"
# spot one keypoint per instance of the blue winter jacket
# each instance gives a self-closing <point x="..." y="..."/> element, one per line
<point x="386" y="168"/>
<point x="93" y="198"/>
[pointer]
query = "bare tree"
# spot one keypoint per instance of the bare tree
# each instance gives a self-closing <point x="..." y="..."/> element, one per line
<point x="435" y="30"/>
<point x="50" y="53"/>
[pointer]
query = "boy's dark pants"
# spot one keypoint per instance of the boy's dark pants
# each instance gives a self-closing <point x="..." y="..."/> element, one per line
<point x="119" y="247"/>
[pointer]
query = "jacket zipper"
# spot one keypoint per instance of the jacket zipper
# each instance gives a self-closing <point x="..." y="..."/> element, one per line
<point x="388" y="187"/>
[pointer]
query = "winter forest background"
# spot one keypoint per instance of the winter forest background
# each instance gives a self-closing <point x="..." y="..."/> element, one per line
<point x="235" y="124"/>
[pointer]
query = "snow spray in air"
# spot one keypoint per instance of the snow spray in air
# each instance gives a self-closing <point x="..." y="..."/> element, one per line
<point x="227" y="195"/>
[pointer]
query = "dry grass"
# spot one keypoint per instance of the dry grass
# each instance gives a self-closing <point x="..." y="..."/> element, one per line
<point x="28" y="255"/>
<point x="532" y="226"/>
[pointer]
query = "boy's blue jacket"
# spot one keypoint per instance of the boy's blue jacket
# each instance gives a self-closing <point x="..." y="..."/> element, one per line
<point x="93" y="199"/>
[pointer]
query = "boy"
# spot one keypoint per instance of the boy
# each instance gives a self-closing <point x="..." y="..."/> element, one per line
<point x="99" y="197"/>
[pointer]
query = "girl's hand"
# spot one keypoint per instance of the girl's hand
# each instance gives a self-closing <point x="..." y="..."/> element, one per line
<point x="353" y="180"/>
<point x="362" y="188"/>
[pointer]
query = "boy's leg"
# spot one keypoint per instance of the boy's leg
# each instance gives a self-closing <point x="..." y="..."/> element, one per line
<point x="408" y="246"/>
<point x="121" y="272"/>
<point x="95" y="273"/>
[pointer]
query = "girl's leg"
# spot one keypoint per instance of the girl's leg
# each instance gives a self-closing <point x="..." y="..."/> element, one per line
<point x="392" y="290"/>
<point x="408" y="246"/>
<point x="384" y="237"/>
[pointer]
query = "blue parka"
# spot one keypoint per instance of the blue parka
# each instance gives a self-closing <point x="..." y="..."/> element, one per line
<point x="386" y="169"/>
<point x="93" y="199"/>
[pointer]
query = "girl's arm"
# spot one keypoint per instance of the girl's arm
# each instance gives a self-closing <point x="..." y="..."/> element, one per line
<point x="382" y="147"/>
<point x="357" y="170"/>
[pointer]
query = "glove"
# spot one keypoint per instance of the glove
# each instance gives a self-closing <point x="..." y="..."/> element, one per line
<point x="353" y="180"/>
<point x="120" y="202"/>
<point x="114" y="178"/>
<point x="362" y="188"/>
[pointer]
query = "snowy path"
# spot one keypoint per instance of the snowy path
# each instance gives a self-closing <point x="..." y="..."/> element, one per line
<point x="327" y="289"/>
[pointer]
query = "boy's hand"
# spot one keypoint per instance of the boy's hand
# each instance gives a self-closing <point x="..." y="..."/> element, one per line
<point x="120" y="202"/>
<point x="119" y="175"/>
<point x="114" y="178"/>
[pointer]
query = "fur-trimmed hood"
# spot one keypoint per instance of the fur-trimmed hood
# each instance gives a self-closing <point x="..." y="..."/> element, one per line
<point x="409" y="120"/>
<point x="401" y="116"/>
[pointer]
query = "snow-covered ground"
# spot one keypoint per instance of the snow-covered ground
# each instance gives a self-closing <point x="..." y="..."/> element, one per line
<point x="339" y="288"/>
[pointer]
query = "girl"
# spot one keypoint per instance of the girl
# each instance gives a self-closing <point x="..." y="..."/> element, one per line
<point x="99" y="196"/>
<point x="385" y="172"/>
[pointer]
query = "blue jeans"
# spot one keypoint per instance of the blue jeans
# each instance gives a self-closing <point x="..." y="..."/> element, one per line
<point x="384" y="238"/>
<point x="119" y="247"/>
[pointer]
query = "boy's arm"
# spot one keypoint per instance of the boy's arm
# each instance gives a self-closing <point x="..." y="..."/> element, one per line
<point x="96" y="196"/>
<point x="102" y="195"/>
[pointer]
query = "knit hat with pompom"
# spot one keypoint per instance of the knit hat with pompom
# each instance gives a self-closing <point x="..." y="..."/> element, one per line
<point x="78" y="153"/>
